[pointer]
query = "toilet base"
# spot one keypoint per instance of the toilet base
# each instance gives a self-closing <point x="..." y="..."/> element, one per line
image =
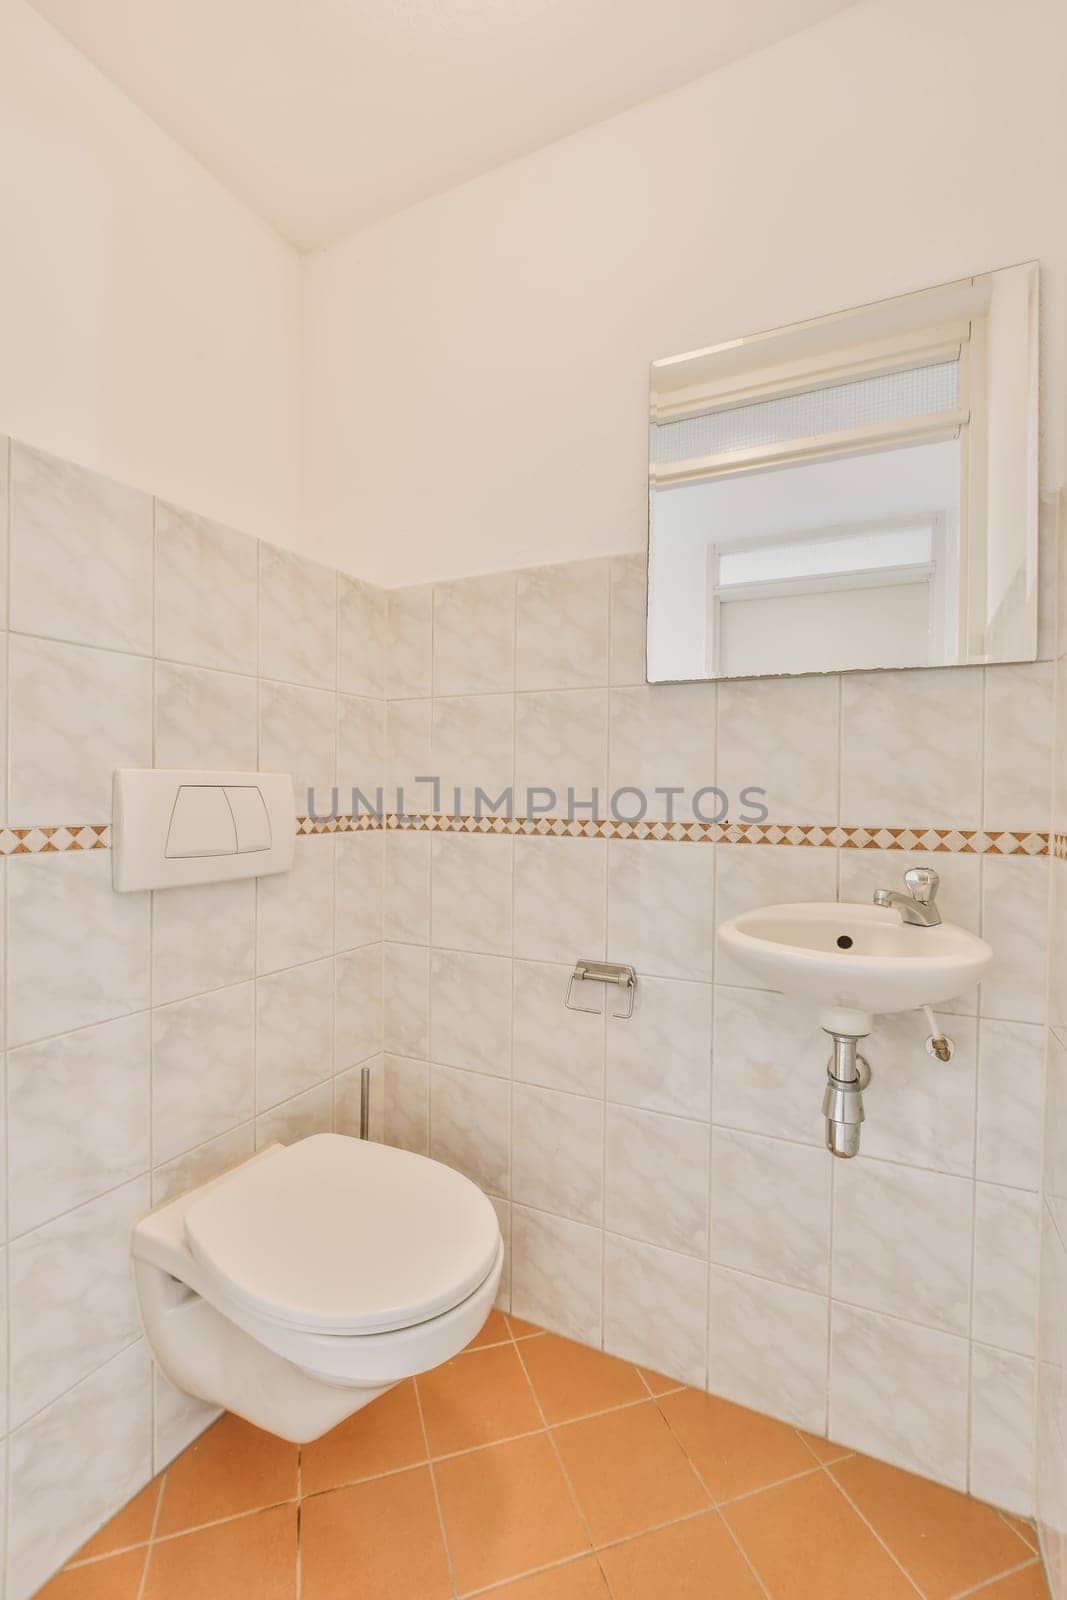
<point x="204" y="1354"/>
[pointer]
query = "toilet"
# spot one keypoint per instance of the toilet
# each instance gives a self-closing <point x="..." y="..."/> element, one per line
<point x="299" y="1286"/>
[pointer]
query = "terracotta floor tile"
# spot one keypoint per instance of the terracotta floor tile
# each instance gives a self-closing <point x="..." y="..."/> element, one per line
<point x="573" y="1381"/>
<point x="496" y="1331"/>
<point x="116" y="1578"/>
<point x="578" y="1580"/>
<point x="232" y="1468"/>
<point x="947" y="1541"/>
<point x="693" y="1560"/>
<point x="657" y="1383"/>
<point x="825" y="1450"/>
<point x="477" y="1399"/>
<point x="374" y="1541"/>
<point x="628" y="1471"/>
<point x="506" y="1510"/>
<point x="385" y="1435"/>
<point x="131" y="1525"/>
<point x="734" y="1450"/>
<point x="250" y="1558"/>
<point x="1026" y="1585"/>
<point x="806" y="1543"/>
<point x="1026" y="1530"/>
<point x="522" y="1330"/>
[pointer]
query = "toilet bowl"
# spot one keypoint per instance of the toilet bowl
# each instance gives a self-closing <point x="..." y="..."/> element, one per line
<point x="299" y="1286"/>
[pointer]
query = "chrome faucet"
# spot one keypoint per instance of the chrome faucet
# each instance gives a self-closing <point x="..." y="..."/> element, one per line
<point x="919" y="905"/>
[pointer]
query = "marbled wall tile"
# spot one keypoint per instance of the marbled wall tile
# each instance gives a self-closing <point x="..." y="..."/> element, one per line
<point x="748" y="876"/>
<point x="470" y="1011"/>
<point x="297" y="619"/>
<point x="407" y="1104"/>
<point x="902" y="1242"/>
<point x="298" y="735"/>
<point x="770" y="1209"/>
<point x="655" y="1309"/>
<point x="472" y="892"/>
<point x="1011" y="1077"/>
<point x="359" y="872"/>
<point x="924" y="1430"/>
<point x="78" y="1117"/>
<point x="203" y="1068"/>
<point x="1002" y="1430"/>
<point x="207" y="1161"/>
<point x="361" y="610"/>
<point x="294" y="1031"/>
<point x="78" y="952"/>
<point x="205" y="719"/>
<point x="557" y="1152"/>
<point x="503" y="1217"/>
<point x="629" y="599"/>
<point x="1006" y="1248"/>
<point x="919" y="1111"/>
<point x="409" y="756"/>
<point x="294" y="909"/>
<point x="660" y="1058"/>
<point x="74" y="1463"/>
<point x="1015" y="924"/>
<point x="407" y="1000"/>
<point x="178" y="1420"/>
<point x="781" y="735"/>
<point x="357" y="1006"/>
<point x="82" y="1260"/>
<point x="661" y="908"/>
<point x="561" y="751"/>
<point x="473" y="742"/>
<point x="203" y="937"/>
<point x="474" y="635"/>
<point x="560" y="900"/>
<point x="469" y="1126"/>
<point x="911" y="748"/>
<point x="556" y="1274"/>
<point x="76" y="715"/>
<point x="561" y="636"/>
<point x="656" y="1179"/>
<point x="1017" y="790"/>
<point x="361" y="753"/>
<point x="554" y="1045"/>
<point x="663" y="738"/>
<point x="206" y="592"/>
<point x="81" y="554"/>
<point x="783" y="1371"/>
<point x="409" y="643"/>
<point x="768" y="1065"/>
<point x="299" y="1118"/>
<point x="407" y="887"/>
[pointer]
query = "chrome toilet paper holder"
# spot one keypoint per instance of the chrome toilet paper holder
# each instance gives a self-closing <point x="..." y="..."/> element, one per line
<point x="612" y="972"/>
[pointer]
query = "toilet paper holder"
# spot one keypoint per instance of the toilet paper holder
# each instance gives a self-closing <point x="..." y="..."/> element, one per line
<point x="613" y="972"/>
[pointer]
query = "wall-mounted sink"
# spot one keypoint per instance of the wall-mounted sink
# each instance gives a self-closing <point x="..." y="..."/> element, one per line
<point x="854" y="961"/>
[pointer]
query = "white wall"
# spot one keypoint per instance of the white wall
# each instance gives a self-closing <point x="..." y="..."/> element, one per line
<point x="149" y="324"/>
<point x="475" y="368"/>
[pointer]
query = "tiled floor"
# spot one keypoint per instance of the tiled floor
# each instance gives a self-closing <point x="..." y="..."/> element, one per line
<point x="531" y="1468"/>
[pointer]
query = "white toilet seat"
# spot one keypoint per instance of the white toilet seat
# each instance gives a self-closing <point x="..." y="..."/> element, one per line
<point x="295" y="1288"/>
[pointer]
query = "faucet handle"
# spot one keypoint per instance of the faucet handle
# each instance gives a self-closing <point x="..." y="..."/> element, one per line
<point x="922" y="884"/>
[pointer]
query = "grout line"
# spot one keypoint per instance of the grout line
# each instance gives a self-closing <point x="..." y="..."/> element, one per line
<point x="987" y="1583"/>
<point x="152" y="1530"/>
<point x="436" y="1492"/>
<point x="870" y="1527"/>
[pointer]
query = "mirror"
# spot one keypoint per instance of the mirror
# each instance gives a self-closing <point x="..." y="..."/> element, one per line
<point x="855" y="492"/>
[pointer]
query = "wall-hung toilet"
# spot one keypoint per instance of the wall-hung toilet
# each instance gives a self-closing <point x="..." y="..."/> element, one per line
<point x="298" y="1287"/>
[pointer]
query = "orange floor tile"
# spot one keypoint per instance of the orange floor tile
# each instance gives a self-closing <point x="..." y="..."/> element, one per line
<point x="532" y="1468"/>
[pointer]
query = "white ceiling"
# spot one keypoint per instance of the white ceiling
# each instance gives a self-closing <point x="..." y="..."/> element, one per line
<point x="327" y="114"/>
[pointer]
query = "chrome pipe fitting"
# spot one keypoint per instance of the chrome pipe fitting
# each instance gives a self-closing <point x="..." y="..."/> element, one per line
<point x="847" y="1075"/>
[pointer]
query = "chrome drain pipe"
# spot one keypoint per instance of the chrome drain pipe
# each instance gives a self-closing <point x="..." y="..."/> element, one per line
<point x="847" y="1075"/>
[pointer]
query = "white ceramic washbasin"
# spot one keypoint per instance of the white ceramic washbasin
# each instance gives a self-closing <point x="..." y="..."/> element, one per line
<point x="854" y="961"/>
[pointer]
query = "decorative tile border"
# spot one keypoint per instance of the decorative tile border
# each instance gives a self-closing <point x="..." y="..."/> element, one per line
<point x="935" y="841"/>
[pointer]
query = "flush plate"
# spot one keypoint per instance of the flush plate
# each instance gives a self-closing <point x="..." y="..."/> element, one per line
<point x="173" y="828"/>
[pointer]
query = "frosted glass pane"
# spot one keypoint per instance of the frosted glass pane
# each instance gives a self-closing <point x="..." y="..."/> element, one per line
<point x="914" y="392"/>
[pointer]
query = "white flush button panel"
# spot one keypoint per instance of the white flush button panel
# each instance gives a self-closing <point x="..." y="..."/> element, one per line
<point x="171" y="828"/>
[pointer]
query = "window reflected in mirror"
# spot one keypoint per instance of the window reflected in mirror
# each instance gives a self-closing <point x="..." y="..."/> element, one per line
<point x="851" y="493"/>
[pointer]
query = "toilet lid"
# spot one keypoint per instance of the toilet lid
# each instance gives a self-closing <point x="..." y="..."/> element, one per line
<point x="340" y="1235"/>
